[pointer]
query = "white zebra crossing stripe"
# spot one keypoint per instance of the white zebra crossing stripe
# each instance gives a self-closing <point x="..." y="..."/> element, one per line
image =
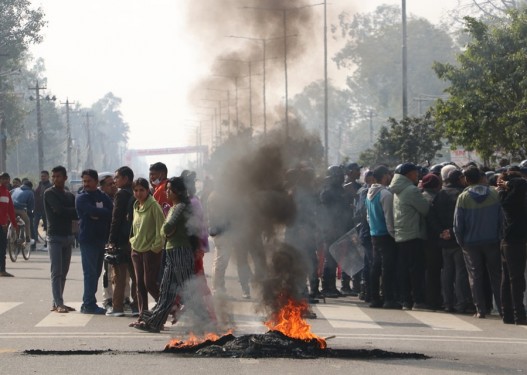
<point x="347" y="317"/>
<point x="442" y="321"/>
<point x="71" y="319"/>
<point x="6" y="306"/>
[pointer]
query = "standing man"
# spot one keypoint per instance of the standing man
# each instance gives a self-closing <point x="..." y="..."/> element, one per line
<point x="477" y="224"/>
<point x="158" y="179"/>
<point x="59" y="208"/>
<point x="352" y="187"/>
<point x="95" y="211"/>
<point x="39" y="213"/>
<point x="119" y="242"/>
<point x="409" y="212"/>
<point x="336" y="221"/>
<point x="7" y="215"/>
<point x="107" y="186"/>
<point x="379" y="204"/>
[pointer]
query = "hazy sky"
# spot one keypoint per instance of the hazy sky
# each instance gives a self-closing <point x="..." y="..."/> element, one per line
<point x="143" y="52"/>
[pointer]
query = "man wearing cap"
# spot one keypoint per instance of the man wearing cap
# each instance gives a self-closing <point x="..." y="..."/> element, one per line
<point x="409" y="210"/>
<point x="477" y="224"/>
<point x="440" y="220"/>
<point x="351" y="188"/>
<point x="379" y="205"/>
<point x="7" y="215"/>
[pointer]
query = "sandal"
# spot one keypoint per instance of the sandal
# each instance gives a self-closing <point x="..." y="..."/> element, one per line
<point x="145" y="327"/>
<point x="62" y="309"/>
<point x="69" y="308"/>
<point x="136" y="323"/>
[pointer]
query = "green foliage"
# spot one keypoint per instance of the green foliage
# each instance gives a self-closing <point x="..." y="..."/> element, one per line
<point x="487" y="107"/>
<point x="414" y="139"/>
<point x="19" y="26"/>
<point x="308" y="106"/>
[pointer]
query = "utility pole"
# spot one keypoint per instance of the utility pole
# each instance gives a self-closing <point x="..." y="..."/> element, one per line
<point x="405" y="63"/>
<point x="89" y="156"/>
<point x="284" y="11"/>
<point x="371" y="127"/>
<point x="40" y="131"/>
<point x="69" y="145"/>
<point x="326" y="131"/>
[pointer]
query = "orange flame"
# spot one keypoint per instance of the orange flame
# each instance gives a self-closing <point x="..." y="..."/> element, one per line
<point x="193" y="340"/>
<point x="289" y="321"/>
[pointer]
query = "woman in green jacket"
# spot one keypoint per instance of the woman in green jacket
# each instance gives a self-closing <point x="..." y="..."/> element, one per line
<point x="147" y="243"/>
<point x="179" y="266"/>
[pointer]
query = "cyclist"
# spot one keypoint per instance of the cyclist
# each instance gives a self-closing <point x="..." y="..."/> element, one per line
<point x="7" y="214"/>
<point x="24" y="202"/>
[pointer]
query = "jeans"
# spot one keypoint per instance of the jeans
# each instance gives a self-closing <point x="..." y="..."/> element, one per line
<point x="92" y="257"/>
<point x="60" y="258"/>
<point x="480" y="259"/>
<point x="513" y="280"/>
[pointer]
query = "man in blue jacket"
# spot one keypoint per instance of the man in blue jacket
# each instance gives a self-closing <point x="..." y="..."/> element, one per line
<point x="95" y="212"/>
<point x="24" y="202"/>
<point x="477" y="225"/>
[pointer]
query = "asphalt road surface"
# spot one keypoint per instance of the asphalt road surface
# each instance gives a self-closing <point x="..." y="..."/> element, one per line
<point x="104" y="345"/>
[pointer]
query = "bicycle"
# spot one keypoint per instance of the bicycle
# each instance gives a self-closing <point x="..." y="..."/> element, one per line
<point x="16" y="241"/>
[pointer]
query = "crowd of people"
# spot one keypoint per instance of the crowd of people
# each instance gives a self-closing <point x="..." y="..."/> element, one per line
<point x="444" y="238"/>
<point x="149" y="236"/>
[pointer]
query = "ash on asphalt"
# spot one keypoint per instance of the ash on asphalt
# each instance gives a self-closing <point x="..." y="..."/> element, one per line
<point x="215" y="351"/>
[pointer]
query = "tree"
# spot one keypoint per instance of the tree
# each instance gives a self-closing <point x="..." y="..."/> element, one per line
<point x="110" y="131"/>
<point x="413" y="139"/>
<point x="372" y="55"/>
<point x="309" y="108"/>
<point x="20" y="26"/>
<point x="488" y="89"/>
<point x="491" y="10"/>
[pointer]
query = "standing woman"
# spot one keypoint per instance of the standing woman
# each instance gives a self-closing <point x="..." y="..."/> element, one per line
<point x="146" y="242"/>
<point x="179" y="266"/>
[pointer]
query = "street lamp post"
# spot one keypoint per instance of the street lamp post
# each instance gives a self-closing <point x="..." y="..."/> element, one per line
<point x="284" y="21"/>
<point x="69" y="144"/>
<point x="405" y="62"/>
<point x="40" y="130"/>
<point x="228" y="109"/>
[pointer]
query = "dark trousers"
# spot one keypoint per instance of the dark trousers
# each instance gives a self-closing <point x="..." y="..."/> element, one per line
<point x="366" y="242"/>
<point x="434" y="263"/>
<point x="146" y="266"/>
<point x="384" y="265"/>
<point x="92" y="258"/>
<point x="3" y="246"/>
<point x="411" y="271"/>
<point x="513" y="258"/>
<point x="329" y="278"/>
<point x="480" y="259"/>
<point x="456" y="290"/>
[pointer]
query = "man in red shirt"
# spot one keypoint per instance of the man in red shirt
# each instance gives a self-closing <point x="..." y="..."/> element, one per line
<point x="7" y="215"/>
<point x="158" y="180"/>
